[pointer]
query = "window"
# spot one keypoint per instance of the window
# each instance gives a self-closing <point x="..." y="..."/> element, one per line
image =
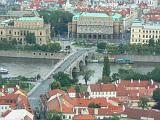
<point x="146" y="36"/>
<point x="40" y="33"/>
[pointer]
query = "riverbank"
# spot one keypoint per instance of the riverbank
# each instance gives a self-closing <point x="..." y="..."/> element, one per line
<point x="97" y="57"/>
<point x="29" y="54"/>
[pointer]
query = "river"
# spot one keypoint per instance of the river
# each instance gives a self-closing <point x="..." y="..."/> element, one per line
<point x="32" y="67"/>
<point x="142" y="68"/>
<point x="26" y="67"/>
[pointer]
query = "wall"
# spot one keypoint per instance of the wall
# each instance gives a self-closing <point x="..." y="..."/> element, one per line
<point x="26" y="54"/>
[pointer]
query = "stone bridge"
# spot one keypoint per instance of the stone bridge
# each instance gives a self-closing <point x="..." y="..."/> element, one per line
<point x="77" y="65"/>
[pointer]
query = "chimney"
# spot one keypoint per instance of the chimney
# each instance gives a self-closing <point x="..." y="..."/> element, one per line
<point x="151" y="82"/>
<point x="148" y="87"/>
<point x="131" y="80"/>
<point x="138" y="94"/>
<point x="119" y="80"/>
<point x="107" y="99"/>
<point x="2" y="88"/>
<point x="96" y="111"/>
<point x="139" y="81"/>
<point x="123" y="108"/>
<point x="76" y="111"/>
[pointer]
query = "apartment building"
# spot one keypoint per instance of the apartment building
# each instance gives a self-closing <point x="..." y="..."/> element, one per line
<point x="18" y="29"/>
<point x="143" y="32"/>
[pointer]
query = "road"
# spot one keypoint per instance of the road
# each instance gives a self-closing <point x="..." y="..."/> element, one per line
<point x="43" y="86"/>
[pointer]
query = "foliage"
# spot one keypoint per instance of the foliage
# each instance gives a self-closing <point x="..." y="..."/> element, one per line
<point x="86" y="75"/>
<point x="93" y="105"/>
<point x="63" y="78"/>
<point x="55" y="85"/>
<point x="106" y="68"/>
<point x="138" y="49"/>
<point x="101" y="46"/>
<point x="30" y="38"/>
<point x="58" y="19"/>
<point x="53" y="115"/>
<point x="105" y="80"/>
<point x="155" y="74"/>
<point x="156" y="94"/>
<point x="143" y="103"/>
<point x="78" y="89"/>
<point x="12" y="45"/>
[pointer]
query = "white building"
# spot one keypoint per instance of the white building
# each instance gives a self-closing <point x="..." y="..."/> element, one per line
<point x="102" y="90"/>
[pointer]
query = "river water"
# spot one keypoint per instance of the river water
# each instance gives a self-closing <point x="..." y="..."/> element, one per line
<point x="142" y="68"/>
<point x="26" y="67"/>
<point x="32" y="67"/>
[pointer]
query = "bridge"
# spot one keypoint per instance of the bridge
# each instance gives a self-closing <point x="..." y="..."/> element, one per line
<point x="70" y="64"/>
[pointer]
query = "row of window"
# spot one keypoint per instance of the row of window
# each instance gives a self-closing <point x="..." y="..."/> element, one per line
<point x="147" y="36"/>
<point x="103" y="93"/>
<point x="18" y="33"/>
<point x="149" y="31"/>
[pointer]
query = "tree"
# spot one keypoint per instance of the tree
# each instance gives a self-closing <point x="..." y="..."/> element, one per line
<point x="77" y="88"/>
<point x="101" y="46"/>
<point x="63" y="78"/>
<point x="156" y="94"/>
<point x="151" y="42"/>
<point x="30" y="38"/>
<point x="93" y="105"/>
<point x="55" y="85"/>
<point x="155" y="74"/>
<point x="52" y="115"/>
<point x="143" y="103"/>
<point x="86" y="75"/>
<point x="106" y="68"/>
<point x="53" y="47"/>
<point x="38" y="76"/>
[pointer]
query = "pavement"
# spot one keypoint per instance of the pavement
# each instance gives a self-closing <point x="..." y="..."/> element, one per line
<point x="43" y="86"/>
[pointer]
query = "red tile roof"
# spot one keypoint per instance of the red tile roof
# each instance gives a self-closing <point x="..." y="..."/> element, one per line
<point x="84" y="117"/>
<point x="102" y="87"/>
<point x="55" y="91"/>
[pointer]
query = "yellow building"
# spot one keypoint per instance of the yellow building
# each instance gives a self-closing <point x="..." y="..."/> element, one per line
<point x="143" y="32"/>
<point x="17" y="29"/>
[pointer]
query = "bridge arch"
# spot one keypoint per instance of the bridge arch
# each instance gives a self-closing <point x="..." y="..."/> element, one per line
<point x="86" y="59"/>
<point x="74" y="72"/>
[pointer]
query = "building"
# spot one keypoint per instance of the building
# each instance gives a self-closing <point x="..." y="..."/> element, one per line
<point x="77" y="108"/>
<point x="18" y="29"/>
<point x="142" y="32"/>
<point x="91" y="26"/>
<point x="13" y="102"/>
<point x="123" y="89"/>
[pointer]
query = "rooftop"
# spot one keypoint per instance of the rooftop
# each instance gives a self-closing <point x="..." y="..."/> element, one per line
<point x="86" y="14"/>
<point x="30" y="19"/>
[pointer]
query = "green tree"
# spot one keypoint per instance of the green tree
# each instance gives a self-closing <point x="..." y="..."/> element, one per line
<point x="55" y="85"/>
<point x="143" y="102"/>
<point x="156" y="94"/>
<point x="52" y="115"/>
<point x="151" y="42"/>
<point x="93" y="105"/>
<point x="106" y="68"/>
<point x="30" y="38"/>
<point x="101" y="46"/>
<point x="63" y="78"/>
<point x="155" y="74"/>
<point x="86" y="75"/>
<point x="53" y="47"/>
<point x="78" y="88"/>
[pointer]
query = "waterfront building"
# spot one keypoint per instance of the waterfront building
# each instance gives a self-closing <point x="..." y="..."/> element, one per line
<point x="18" y="29"/>
<point x="95" y="26"/>
<point x="142" y="32"/>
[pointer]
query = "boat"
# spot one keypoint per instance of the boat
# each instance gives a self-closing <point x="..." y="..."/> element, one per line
<point x="3" y="70"/>
<point x="123" y="61"/>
